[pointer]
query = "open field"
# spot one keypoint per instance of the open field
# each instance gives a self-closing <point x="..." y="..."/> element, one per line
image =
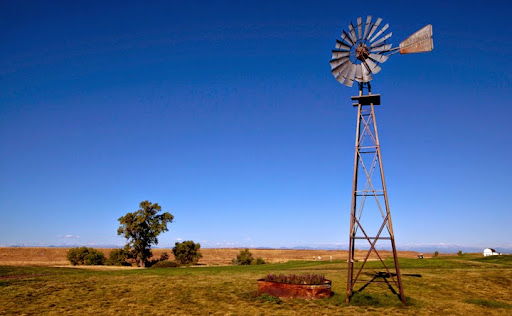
<point x="57" y="256"/>
<point x="449" y="285"/>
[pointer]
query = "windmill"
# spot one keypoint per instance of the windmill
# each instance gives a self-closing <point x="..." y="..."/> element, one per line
<point x="358" y="56"/>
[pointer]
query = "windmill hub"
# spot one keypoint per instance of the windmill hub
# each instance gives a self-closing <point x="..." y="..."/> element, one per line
<point x="362" y="52"/>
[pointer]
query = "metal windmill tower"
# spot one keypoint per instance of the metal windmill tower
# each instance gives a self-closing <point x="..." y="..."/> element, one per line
<point x="357" y="56"/>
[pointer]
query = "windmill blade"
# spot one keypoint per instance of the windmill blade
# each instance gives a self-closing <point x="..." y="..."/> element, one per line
<point x="346" y="38"/>
<point x="374" y="27"/>
<point x="359" y="25"/>
<point x="378" y="57"/>
<point x="342" y="76"/>
<point x="380" y="32"/>
<point x="346" y="70"/>
<point x="349" y="82"/>
<point x="340" y="79"/>
<point x="336" y="62"/>
<point x="352" y="32"/>
<point x="381" y="48"/>
<point x="367" y="76"/>
<point x="365" y="66"/>
<point x="342" y="46"/>
<point x="336" y="54"/>
<point x="359" y="73"/>
<point x="381" y="40"/>
<point x="367" y="26"/>
<point x="419" y="42"/>
<point x="372" y="66"/>
<point x="340" y="67"/>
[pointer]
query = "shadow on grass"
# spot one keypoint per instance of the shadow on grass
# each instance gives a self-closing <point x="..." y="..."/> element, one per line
<point x="387" y="283"/>
<point x="488" y="303"/>
<point x="383" y="277"/>
<point x="380" y="300"/>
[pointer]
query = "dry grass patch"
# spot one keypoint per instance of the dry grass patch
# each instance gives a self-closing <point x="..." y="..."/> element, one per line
<point x="447" y="286"/>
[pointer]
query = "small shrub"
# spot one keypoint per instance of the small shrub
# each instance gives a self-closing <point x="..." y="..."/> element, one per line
<point x="163" y="257"/>
<point x="312" y="279"/>
<point x="459" y="253"/>
<point x="244" y="257"/>
<point x="258" y="261"/>
<point x="95" y="258"/>
<point x="187" y="252"/>
<point x="436" y="254"/>
<point x="269" y="298"/>
<point x="85" y="256"/>
<point x="118" y="257"/>
<point x="76" y="255"/>
<point x="166" y="264"/>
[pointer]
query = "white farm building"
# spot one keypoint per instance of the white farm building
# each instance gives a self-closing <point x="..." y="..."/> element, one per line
<point x="491" y="252"/>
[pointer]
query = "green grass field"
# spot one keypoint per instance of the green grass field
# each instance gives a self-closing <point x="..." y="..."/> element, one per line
<point x="447" y="286"/>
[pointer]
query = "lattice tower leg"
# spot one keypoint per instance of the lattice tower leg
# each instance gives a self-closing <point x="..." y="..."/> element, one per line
<point x="367" y="130"/>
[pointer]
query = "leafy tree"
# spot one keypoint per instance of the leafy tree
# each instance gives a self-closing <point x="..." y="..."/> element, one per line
<point x="459" y="253"/>
<point x="436" y="254"/>
<point x="141" y="229"/>
<point x="187" y="252"/>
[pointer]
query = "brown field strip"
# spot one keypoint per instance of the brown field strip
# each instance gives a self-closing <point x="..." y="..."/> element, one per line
<point x="49" y="256"/>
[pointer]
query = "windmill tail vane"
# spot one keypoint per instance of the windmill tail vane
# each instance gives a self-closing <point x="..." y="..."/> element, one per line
<point x="419" y="42"/>
<point x="364" y="47"/>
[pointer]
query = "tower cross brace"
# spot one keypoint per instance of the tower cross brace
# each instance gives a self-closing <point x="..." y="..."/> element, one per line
<point x="367" y="149"/>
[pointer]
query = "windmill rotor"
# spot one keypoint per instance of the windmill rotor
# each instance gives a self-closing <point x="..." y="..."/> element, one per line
<point x="365" y="45"/>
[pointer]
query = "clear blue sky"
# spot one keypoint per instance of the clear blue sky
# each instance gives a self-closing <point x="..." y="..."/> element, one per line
<point x="227" y="115"/>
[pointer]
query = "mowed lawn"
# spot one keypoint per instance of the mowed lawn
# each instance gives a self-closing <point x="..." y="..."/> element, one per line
<point x="466" y="285"/>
